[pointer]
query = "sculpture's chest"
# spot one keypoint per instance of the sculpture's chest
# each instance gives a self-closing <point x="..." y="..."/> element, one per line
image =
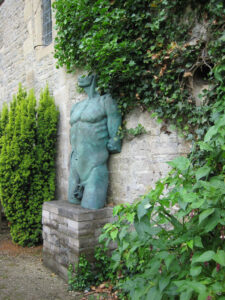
<point x="90" y="110"/>
<point x="94" y="111"/>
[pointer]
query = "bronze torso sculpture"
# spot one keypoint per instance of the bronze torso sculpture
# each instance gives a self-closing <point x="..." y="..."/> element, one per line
<point x="94" y="126"/>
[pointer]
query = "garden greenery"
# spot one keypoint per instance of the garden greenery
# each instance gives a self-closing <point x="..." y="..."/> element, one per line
<point x="27" y="162"/>
<point x="147" y="53"/>
<point x="82" y="275"/>
<point x="171" y="243"/>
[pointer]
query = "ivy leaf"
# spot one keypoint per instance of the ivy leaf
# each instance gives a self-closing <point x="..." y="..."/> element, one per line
<point x="144" y="227"/>
<point x="125" y="245"/>
<point x="114" y="234"/>
<point x="141" y="209"/>
<point x="212" y="222"/>
<point x="191" y="285"/>
<point x="131" y="63"/>
<point x="205" y="146"/>
<point x="219" y="257"/>
<point x="198" y="242"/>
<point x="130" y="217"/>
<point x="181" y="163"/>
<point x="163" y="282"/>
<point x="218" y="183"/>
<point x="198" y="203"/>
<point x="188" y="197"/>
<point x="206" y="256"/>
<point x="205" y="214"/>
<point x="123" y="233"/>
<point x="116" y="259"/>
<point x="186" y="295"/>
<point x="197" y="287"/>
<point x="154" y="294"/>
<point x="190" y="244"/>
<point x="217" y="287"/>
<point x="195" y="270"/>
<point x="210" y="133"/>
<point x="218" y="72"/>
<point x="168" y="260"/>
<point x="203" y="295"/>
<point x="202" y="172"/>
<point x="116" y="210"/>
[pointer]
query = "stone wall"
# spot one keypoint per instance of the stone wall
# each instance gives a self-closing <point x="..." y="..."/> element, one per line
<point x="69" y="231"/>
<point x="22" y="59"/>
<point x="143" y="160"/>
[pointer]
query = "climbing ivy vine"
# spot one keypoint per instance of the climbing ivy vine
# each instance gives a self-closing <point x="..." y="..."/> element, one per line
<point x="146" y="52"/>
<point x="170" y="244"/>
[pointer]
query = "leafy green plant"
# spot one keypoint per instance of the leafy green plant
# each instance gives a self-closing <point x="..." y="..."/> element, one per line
<point x="131" y="132"/>
<point x="102" y="267"/>
<point x="27" y="154"/>
<point x="80" y="276"/>
<point x="171" y="243"/>
<point x="84" y="274"/>
<point x="144" y="54"/>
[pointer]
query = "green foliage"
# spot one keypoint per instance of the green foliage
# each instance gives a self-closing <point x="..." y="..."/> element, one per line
<point x="131" y="132"/>
<point x="102" y="265"/>
<point x="47" y="119"/>
<point x="144" y="55"/>
<point x="27" y="172"/>
<point x="83" y="275"/>
<point x="171" y="243"/>
<point x="80" y="277"/>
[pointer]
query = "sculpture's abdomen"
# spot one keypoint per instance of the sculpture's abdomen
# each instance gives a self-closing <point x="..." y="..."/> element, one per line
<point x="89" y="145"/>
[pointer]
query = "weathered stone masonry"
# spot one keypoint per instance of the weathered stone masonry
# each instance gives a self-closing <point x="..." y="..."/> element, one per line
<point x="69" y="231"/>
<point x="142" y="160"/>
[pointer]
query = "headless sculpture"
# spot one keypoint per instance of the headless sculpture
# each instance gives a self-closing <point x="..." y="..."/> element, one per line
<point x="93" y="134"/>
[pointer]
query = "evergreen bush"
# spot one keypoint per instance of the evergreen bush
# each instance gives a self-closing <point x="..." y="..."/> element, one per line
<point x="27" y="162"/>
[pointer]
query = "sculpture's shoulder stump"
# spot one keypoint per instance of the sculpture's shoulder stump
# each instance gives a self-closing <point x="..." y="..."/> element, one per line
<point x="68" y="231"/>
<point x="107" y="98"/>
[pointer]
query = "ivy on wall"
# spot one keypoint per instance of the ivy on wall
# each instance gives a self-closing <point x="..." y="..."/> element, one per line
<point x="149" y="53"/>
<point x="146" y="52"/>
<point x="27" y="162"/>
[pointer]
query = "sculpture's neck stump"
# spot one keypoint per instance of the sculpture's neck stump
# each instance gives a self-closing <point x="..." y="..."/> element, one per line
<point x="91" y="92"/>
<point x="91" y="89"/>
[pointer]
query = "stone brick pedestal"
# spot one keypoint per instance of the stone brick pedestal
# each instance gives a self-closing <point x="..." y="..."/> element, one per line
<point x="68" y="231"/>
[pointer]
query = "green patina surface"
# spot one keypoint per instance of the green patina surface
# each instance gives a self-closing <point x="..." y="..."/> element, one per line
<point x="93" y="135"/>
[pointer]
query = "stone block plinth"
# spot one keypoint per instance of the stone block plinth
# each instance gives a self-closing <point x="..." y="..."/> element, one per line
<point x="69" y="231"/>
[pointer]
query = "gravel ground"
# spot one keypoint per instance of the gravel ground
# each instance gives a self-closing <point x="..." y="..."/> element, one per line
<point x="23" y="276"/>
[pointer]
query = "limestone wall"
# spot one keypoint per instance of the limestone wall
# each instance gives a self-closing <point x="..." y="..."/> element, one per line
<point x="143" y="159"/>
<point x="69" y="231"/>
<point x="22" y="59"/>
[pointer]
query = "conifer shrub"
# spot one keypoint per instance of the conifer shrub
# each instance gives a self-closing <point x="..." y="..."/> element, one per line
<point x="27" y="162"/>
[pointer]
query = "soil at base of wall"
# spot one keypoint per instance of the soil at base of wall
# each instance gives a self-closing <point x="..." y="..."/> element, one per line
<point x="24" y="277"/>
